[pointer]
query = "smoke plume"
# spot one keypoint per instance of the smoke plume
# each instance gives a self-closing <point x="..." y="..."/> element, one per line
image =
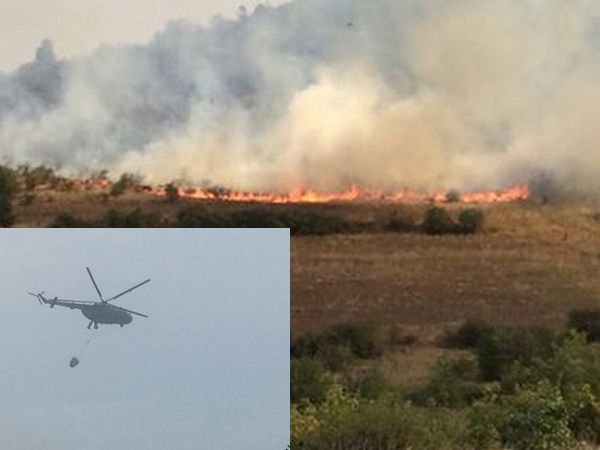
<point x="327" y="93"/>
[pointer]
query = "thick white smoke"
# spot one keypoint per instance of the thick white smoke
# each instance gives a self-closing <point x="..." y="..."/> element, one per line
<point x="326" y="93"/>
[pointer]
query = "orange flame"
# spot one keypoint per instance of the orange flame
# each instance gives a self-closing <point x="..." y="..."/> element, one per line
<point x="354" y="193"/>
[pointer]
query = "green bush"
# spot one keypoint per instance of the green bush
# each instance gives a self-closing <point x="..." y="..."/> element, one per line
<point x="586" y="321"/>
<point x="383" y="424"/>
<point x="309" y="380"/>
<point x="470" y="220"/>
<point x="453" y="383"/>
<point x="500" y="349"/>
<point x="574" y="368"/>
<point x="438" y="221"/>
<point x="536" y="417"/>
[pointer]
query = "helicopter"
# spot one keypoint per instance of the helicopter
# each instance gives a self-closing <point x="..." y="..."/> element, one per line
<point x="100" y="312"/>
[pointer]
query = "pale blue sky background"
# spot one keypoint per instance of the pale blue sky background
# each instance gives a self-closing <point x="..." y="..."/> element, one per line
<point x="209" y="369"/>
<point x="79" y="26"/>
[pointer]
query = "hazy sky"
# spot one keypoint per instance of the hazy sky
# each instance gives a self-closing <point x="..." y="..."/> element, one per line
<point x="209" y="369"/>
<point x="79" y="26"/>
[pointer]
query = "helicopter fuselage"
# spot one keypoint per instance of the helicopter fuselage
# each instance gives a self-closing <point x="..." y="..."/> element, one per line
<point x="107" y="314"/>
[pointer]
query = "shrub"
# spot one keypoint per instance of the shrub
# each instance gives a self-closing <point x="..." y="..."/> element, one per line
<point x="362" y="339"/>
<point x="380" y="424"/>
<point x="39" y="175"/>
<point x="334" y="357"/>
<point x="499" y="350"/>
<point x="574" y="367"/>
<point x="337" y="346"/>
<point x="311" y="223"/>
<point x="397" y="337"/>
<point x="453" y="383"/>
<point x="66" y="220"/>
<point x="470" y="220"/>
<point x="196" y="216"/>
<point x="400" y="222"/>
<point x="309" y="380"/>
<point x="171" y="193"/>
<point x="126" y="181"/>
<point x="370" y="384"/>
<point x="304" y="346"/>
<point x="468" y="335"/>
<point x="452" y="196"/>
<point x="536" y="417"/>
<point x="133" y="219"/>
<point x="586" y="321"/>
<point x="256" y="218"/>
<point x="438" y="221"/>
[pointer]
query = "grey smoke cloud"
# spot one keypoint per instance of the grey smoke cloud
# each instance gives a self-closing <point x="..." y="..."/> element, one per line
<point x="326" y="93"/>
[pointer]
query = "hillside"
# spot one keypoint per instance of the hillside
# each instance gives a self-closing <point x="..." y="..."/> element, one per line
<point x="531" y="265"/>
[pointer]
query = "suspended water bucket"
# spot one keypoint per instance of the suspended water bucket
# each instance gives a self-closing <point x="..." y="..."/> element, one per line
<point x="74" y="361"/>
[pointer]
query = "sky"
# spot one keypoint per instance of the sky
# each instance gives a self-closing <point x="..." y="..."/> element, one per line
<point x="209" y="368"/>
<point x="78" y="27"/>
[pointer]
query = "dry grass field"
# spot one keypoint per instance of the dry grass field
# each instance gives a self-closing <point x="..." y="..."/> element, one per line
<point x="531" y="265"/>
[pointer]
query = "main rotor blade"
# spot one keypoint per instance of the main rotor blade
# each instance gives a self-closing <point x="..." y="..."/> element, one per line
<point x="129" y="290"/>
<point x="130" y="311"/>
<point x="74" y="301"/>
<point x="94" y="281"/>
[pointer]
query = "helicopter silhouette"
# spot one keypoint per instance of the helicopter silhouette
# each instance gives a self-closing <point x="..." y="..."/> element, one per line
<point x="100" y="312"/>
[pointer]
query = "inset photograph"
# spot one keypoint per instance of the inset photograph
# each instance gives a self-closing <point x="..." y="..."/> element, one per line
<point x="145" y="339"/>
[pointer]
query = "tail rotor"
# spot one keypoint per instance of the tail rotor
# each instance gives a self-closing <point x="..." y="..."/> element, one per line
<point x="38" y="296"/>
